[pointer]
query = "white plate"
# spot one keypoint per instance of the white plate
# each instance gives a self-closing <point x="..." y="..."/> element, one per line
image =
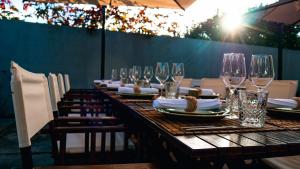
<point x="198" y="112"/>
<point x="193" y="116"/>
<point x="284" y="111"/>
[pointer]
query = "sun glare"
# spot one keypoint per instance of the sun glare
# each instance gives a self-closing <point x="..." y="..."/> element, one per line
<point x="232" y="22"/>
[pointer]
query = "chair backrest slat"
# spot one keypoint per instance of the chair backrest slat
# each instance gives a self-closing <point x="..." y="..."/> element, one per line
<point x="31" y="101"/>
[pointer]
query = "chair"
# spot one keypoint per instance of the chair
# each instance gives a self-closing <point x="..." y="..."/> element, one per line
<point x="284" y="89"/>
<point x="79" y="143"/>
<point x="289" y="162"/>
<point x="186" y="83"/>
<point x="31" y="99"/>
<point x="214" y="83"/>
<point x="69" y="94"/>
<point x="61" y="85"/>
<point x="67" y="82"/>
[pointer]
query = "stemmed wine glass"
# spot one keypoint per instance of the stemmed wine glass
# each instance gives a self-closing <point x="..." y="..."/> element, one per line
<point x="114" y="74"/>
<point x="123" y="74"/>
<point x="162" y="74"/>
<point x="233" y="75"/>
<point x="130" y="74"/>
<point x="137" y="73"/>
<point x="148" y="73"/>
<point x="261" y="71"/>
<point x="177" y="72"/>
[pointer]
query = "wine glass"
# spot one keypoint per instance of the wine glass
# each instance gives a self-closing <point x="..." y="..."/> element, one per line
<point x="137" y="73"/>
<point x="123" y="74"/>
<point x="148" y="73"/>
<point x="261" y="71"/>
<point x="130" y="74"/>
<point x="177" y="72"/>
<point x="162" y="74"/>
<point x="233" y="75"/>
<point x="114" y="74"/>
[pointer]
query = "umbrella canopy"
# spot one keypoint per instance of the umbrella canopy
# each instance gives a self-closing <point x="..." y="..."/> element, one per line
<point x="285" y="11"/>
<point x="172" y="4"/>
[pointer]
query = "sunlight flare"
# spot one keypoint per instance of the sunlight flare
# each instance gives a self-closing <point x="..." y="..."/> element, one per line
<point x="232" y="22"/>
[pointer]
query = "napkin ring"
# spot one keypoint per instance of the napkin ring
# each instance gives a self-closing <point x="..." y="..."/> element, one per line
<point x="136" y="89"/>
<point x="191" y="104"/>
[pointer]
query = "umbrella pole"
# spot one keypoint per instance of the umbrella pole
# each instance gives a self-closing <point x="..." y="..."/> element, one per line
<point x="280" y="52"/>
<point x="102" y="62"/>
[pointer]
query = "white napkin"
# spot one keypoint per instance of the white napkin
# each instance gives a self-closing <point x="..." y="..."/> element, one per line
<point x="106" y="82"/>
<point x="112" y="85"/>
<point x="282" y="103"/>
<point x="143" y="90"/>
<point x="116" y="85"/>
<point x="157" y="86"/>
<point x="206" y="92"/>
<point x="97" y="81"/>
<point x="202" y="104"/>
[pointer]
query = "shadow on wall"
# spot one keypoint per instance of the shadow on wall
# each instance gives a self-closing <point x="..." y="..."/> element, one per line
<point x="5" y="96"/>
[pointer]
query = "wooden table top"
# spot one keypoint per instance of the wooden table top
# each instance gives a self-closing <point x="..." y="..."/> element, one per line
<point x="279" y="137"/>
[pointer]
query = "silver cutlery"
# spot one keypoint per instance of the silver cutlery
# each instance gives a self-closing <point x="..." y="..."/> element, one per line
<point x="197" y="128"/>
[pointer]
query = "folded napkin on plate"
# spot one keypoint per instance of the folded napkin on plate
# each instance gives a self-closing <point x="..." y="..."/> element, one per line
<point x="98" y="81"/>
<point x="115" y="85"/>
<point x="282" y="103"/>
<point x="106" y="82"/>
<point x="156" y="85"/>
<point x="143" y="90"/>
<point x="202" y="104"/>
<point x="206" y="92"/>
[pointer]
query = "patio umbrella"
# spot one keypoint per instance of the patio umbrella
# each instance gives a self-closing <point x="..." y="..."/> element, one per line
<point x="171" y="4"/>
<point x="283" y="12"/>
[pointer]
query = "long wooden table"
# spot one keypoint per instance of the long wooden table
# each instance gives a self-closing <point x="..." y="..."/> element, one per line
<point x="279" y="137"/>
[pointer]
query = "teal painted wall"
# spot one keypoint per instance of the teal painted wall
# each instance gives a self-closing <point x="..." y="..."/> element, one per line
<point x="46" y="48"/>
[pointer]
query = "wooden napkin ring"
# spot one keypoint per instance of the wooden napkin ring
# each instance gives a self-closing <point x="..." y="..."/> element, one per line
<point x="297" y="99"/>
<point x="191" y="104"/>
<point x="137" y="89"/>
<point x="103" y="85"/>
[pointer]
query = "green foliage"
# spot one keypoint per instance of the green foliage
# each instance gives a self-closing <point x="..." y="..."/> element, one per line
<point x="259" y="33"/>
<point x="8" y="11"/>
<point x="136" y="20"/>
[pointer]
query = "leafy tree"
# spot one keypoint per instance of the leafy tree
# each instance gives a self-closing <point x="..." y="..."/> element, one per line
<point x="141" y="20"/>
<point x="256" y="33"/>
<point x="8" y="11"/>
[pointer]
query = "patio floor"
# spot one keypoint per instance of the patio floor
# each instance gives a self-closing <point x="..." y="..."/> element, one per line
<point x="9" y="151"/>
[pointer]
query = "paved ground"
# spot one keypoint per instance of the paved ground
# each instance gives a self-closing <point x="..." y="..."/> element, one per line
<point x="9" y="151"/>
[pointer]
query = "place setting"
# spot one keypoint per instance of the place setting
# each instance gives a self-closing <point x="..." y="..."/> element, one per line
<point x="184" y="102"/>
<point x="284" y="108"/>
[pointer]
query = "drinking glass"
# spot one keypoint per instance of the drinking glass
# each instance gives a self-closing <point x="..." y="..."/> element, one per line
<point x="177" y="72"/>
<point x="171" y="90"/>
<point x="130" y="74"/>
<point x="137" y="73"/>
<point x="253" y="106"/>
<point x="233" y="75"/>
<point x="123" y="74"/>
<point x="114" y="74"/>
<point x="162" y="74"/>
<point x="148" y="73"/>
<point x="261" y="71"/>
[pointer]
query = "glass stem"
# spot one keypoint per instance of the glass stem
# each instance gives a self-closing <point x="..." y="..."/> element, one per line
<point x="161" y="89"/>
<point x="231" y="95"/>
